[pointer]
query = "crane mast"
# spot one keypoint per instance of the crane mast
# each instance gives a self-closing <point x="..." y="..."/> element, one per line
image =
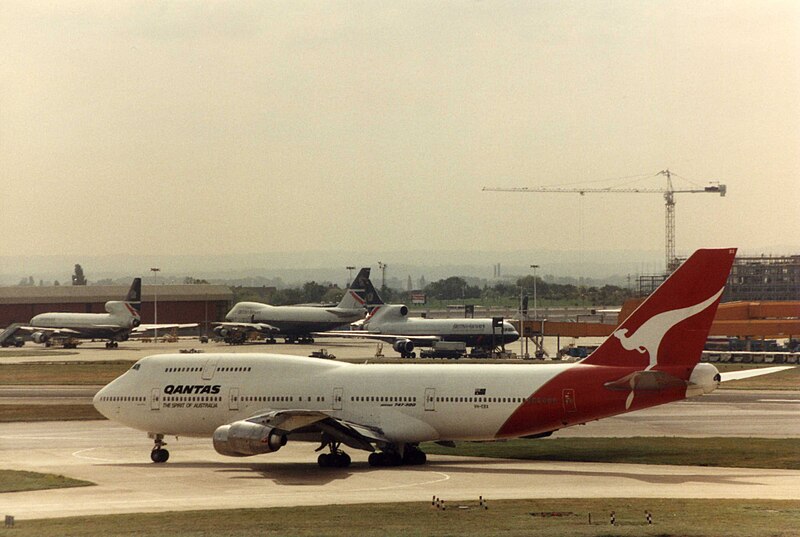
<point x="669" y="199"/>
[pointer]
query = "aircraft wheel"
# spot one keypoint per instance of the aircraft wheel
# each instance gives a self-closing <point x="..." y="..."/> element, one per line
<point x="159" y="455"/>
<point x="385" y="458"/>
<point x="324" y="460"/>
<point x="414" y="457"/>
<point x="342" y="460"/>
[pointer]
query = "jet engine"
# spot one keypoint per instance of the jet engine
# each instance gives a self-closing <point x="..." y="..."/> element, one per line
<point x="223" y="331"/>
<point x="135" y="322"/>
<point x="404" y="346"/>
<point x="40" y="337"/>
<point x="245" y="438"/>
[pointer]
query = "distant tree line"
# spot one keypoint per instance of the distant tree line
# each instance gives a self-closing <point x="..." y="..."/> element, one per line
<point x="453" y="288"/>
<point x="457" y="288"/>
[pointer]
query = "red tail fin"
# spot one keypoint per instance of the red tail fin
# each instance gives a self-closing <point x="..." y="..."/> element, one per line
<point x="669" y="329"/>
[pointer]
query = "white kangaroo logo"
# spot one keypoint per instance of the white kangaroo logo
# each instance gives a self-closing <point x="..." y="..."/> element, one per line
<point x="648" y="336"/>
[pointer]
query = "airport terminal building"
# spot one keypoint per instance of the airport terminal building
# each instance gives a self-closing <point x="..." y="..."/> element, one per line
<point x="196" y="303"/>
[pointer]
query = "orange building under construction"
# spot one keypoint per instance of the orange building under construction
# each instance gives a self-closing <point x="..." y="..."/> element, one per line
<point x="743" y="320"/>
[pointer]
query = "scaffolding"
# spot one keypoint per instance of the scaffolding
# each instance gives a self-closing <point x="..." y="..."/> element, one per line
<point x="756" y="278"/>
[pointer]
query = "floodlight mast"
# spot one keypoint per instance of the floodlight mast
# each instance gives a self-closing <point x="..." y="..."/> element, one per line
<point x="669" y="199"/>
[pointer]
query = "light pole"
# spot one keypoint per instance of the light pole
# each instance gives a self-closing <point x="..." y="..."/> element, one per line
<point x="534" y="267"/>
<point x="535" y="313"/>
<point x="155" y="271"/>
<point x="383" y="266"/>
<point x="350" y="274"/>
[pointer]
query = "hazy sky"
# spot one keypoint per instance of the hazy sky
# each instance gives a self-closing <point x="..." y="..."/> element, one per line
<point x="232" y="127"/>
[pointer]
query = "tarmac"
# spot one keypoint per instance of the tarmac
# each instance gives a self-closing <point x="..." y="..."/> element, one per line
<point x="196" y="477"/>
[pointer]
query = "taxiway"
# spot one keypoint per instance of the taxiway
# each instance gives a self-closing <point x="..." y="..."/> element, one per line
<point x="117" y="460"/>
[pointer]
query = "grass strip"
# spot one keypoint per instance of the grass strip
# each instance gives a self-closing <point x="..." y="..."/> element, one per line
<point x="11" y="413"/>
<point x="18" y="481"/>
<point x="63" y="373"/>
<point x="509" y="518"/>
<point x="778" y="453"/>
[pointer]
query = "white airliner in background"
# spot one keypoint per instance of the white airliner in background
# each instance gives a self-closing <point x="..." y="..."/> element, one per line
<point x="298" y="323"/>
<point x="392" y="324"/>
<point x="251" y="404"/>
<point x="115" y="326"/>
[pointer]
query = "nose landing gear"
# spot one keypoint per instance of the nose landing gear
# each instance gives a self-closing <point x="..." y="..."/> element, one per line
<point x="159" y="454"/>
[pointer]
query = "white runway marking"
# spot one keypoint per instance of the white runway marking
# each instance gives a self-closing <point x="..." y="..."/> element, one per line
<point x="80" y="455"/>
<point x="444" y="477"/>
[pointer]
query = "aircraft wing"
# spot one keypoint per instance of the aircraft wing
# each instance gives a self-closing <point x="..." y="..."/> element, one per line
<point x="351" y="434"/>
<point x="748" y="373"/>
<point x="340" y="312"/>
<point x="147" y="327"/>
<point x="258" y="327"/>
<point x="389" y="338"/>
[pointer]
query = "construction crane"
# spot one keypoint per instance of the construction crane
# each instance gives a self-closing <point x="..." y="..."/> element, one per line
<point x="668" y="193"/>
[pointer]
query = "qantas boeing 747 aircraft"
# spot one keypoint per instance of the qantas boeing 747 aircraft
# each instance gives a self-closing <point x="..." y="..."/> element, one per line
<point x="251" y="404"/>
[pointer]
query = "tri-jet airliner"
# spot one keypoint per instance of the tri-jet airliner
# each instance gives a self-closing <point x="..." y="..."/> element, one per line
<point x="392" y="324"/>
<point x="251" y="404"/>
<point x="298" y="323"/>
<point x="116" y="325"/>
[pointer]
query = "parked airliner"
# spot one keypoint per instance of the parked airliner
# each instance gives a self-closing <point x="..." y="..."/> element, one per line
<point x="298" y="323"/>
<point x="392" y="324"/>
<point x="116" y="325"/>
<point x="251" y="404"/>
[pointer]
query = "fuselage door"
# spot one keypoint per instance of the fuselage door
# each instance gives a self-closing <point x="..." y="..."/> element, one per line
<point x="209" y="368"/>
<point x="155" y="399"/>
<point x="568" y="398"/>
<point x="338" y="396"/>
<point x="233" y="399"/>
<point x="430" y="398"/>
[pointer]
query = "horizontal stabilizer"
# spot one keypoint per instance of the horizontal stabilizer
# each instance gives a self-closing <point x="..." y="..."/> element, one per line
<point x="749" y="373"/>
<point x="646" y="381"/>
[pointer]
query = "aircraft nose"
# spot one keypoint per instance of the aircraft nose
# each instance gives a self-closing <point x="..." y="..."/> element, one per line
<point x="100" y="400"/>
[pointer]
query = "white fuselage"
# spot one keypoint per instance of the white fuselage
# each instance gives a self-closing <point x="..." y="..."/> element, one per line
<point x="294" y="319"/>
<point x="121" y="318"/>
<point x="393" y="319"/>
<point x="192" y="395"/>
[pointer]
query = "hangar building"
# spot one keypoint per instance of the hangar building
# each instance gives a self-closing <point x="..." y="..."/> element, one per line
<point x="196" y="303"/>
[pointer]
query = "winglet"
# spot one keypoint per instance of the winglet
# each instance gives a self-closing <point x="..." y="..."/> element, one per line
<point x="669" y="329"/>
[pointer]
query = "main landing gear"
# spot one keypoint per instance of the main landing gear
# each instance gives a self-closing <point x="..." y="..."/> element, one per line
<point x="412" y="456"/>
<point x="335" y="459"/>
<point x="159" y="454"/>
<point x="112" y="344"/>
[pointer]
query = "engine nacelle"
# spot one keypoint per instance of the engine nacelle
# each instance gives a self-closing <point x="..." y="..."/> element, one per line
<point x="222" y="331"/>
<point x="244" y="438"/>
<point x="135" y="322"/>
<point x="40" y="337"/>
<point x="403" y="346"/>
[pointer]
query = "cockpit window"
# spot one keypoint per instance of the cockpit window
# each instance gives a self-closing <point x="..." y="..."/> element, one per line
<point x="136" y="367"/>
